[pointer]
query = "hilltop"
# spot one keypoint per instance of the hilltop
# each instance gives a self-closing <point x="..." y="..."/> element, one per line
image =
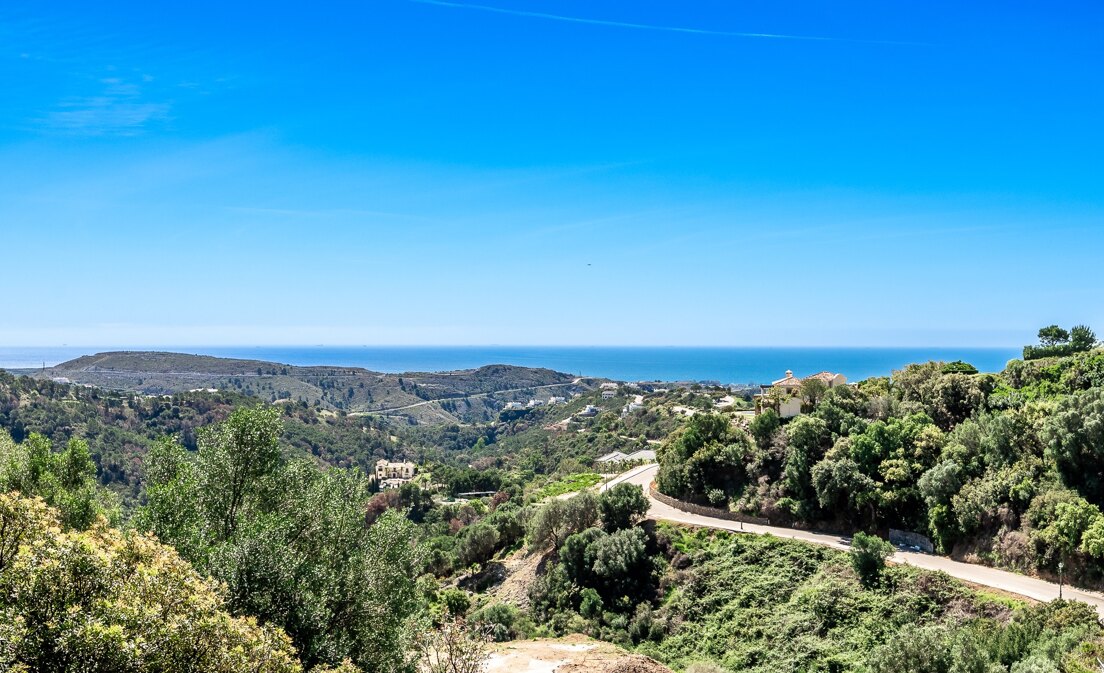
<point x="464" y="396"/>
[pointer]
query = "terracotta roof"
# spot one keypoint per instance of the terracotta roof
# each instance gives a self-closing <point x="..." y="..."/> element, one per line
<point x="789" y="381"/>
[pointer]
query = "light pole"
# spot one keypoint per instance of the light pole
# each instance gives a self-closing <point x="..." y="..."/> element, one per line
<point x="1061" y="567"/>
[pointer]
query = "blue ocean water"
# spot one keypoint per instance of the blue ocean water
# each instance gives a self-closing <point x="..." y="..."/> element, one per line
<point x="726" y="365"/>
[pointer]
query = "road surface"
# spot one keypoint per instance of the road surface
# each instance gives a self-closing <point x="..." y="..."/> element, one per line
<point x="1030" y="587"/>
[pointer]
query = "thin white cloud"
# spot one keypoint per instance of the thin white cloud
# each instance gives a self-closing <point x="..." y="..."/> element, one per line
<point x="646" y="26"/>
<point x="118" y="109"/>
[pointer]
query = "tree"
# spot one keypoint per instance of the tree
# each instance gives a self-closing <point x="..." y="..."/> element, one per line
<point x="1053" y="335"/>
<point x="622" y="506"/>
<point x="66" y="480"/>
<point x="478" y="544"/>
<point x="808" y="439"/>
<point x="1082" y="338"/>
<point x="621" y="564"/>
<point x="559" y="519"/>
<point x="812" y="390"/>
<point x="102" y="599"/>
<point x="868" y="556"/>
<point x="708" y="454"/>
<point x="762" y="427"/>
<point x="841" y="486"/>
<point x="291" y="545"/>
<point x="233" y="456"/>
<point x="1092" y="540"/>
<point x="1074" y="435"/>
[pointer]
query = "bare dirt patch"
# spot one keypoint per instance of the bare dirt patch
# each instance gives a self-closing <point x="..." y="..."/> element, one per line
<point x="570" y="654"/>
<point x="522" y="570"/>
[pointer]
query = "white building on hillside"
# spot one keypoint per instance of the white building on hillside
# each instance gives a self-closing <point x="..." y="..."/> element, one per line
<point x="394" y="475"/>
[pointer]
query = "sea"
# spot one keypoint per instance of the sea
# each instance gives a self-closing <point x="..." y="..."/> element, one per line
<point x="726" y="365"/>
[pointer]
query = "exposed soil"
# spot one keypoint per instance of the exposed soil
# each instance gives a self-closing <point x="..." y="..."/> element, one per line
<point x="570" y="654"/>
<point x="521" y="569"/>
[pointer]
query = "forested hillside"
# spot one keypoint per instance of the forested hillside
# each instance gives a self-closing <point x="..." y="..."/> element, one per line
<point x="314" y="568"/>
<point x="468" y="396"/>
<point x="1004" y="469"/>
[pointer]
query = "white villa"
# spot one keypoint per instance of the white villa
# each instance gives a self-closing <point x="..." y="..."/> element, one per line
<point x="589" y="410"/>
<point x="790" y="402"/>
<point x="394" y="475"/>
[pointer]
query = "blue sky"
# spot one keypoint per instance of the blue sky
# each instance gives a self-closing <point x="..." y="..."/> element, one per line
<point x="505" y="172"/>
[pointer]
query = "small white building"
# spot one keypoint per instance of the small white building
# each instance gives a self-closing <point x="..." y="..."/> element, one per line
<point x="513" y="406"/>
<point x="532" y="404"/>
<point x="589" y="410"/>
<point x="556" y="400"/>
<point x="609" y="394"/>
<point x="608" y="385"/>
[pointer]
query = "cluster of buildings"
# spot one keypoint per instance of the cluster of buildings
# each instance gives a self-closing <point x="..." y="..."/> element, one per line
<point x="393" y="475"/>
<point x="534" y="403"/>
<point x="784" y="395"/>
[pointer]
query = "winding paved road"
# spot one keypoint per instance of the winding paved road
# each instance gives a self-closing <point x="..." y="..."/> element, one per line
<point x="1031" y="587"/>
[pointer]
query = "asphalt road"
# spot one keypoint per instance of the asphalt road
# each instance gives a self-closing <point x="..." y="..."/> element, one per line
<point x="1030" y="587"/>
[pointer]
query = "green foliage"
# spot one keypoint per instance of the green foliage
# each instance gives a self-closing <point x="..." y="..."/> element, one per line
<point x="1055" y="342"/>
<point x="766" y="605"/>
<point x="66" y="480"/>
<point x="569" y="484"/>
<point x="290" y="542"/>
<point x="622" y="506"/>
<point x="477" y="545"/>
<point x="103" y="600"/>
<point x="504" y="621"/>
<point x="868" y="556"/>
<point x="455" y="601"/>
<point x="763" y="427"/>
<point x="557" y="520"/>
<point x="590" y="603"/>
<point x="707" y="455"/>
<point x="958" y="367"/>
<point x="1074" y="434"/>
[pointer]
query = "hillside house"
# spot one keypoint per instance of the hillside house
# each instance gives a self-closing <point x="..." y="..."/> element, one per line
<point x="393" y="475"/>
<point x="784" y="395"/>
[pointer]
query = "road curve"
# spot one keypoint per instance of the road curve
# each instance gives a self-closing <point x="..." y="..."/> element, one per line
<point x="1030" y="587"/>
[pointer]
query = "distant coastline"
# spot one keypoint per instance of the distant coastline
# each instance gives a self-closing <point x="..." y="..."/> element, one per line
<point x="722" y="364"/>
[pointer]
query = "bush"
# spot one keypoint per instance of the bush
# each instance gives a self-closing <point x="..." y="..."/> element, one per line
<point x="106" y="600"/>
<point x="456" y="601"/>
<point x="502" y="620"/>
<point x="622" y="506"/>
<point x="868" y="556"/>
<point x="590" y="605"/>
